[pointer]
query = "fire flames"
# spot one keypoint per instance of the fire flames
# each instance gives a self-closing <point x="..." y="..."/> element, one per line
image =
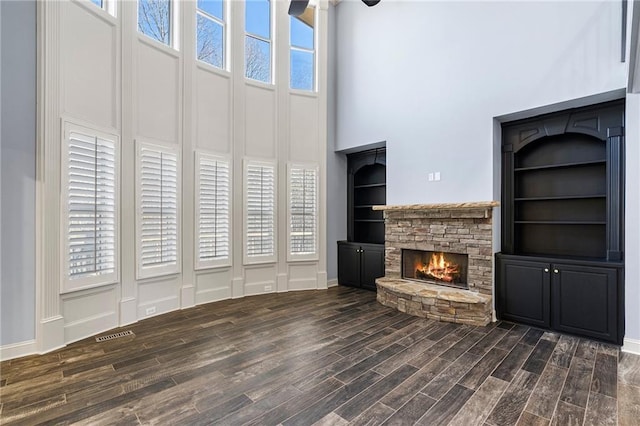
<point x="438" y="268"/>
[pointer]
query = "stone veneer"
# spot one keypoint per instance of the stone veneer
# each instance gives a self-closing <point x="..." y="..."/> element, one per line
<point x="435" y="301"/>
<point x="464" y="228"/>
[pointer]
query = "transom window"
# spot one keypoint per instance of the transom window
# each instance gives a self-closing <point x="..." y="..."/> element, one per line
<point x="211" y="32"/>
<point x="302" y="57"/>
<point x="107" y="5"/>
<point x="155" y="19"/>
<point x="257" y="41"/>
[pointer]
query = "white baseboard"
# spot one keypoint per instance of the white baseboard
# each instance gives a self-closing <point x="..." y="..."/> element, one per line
<point x="187" y="296"/>
<point x="17" y="350"/>
<point x="237" y="288"/>
<point x="631" y="346"/>
<point x="332" y="283"/>
<point x="128" y="311"/>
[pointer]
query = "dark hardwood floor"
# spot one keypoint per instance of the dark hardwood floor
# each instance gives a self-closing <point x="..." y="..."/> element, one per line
<point x="322" y="357"/>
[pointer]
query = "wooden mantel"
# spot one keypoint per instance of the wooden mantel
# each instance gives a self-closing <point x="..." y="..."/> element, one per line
<point x="441" y="206"/>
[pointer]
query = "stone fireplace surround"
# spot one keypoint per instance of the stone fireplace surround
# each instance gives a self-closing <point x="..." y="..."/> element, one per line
<point x="464" y="228"/>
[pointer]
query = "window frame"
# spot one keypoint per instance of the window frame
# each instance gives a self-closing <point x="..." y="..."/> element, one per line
<point x="259" y="259"/>
<point x="314" y="52"/>
<point x="174" y="27"/>
<point x="219" y="263"/>
<point x="108" y="6"/>
<point x="66" y="283"/>
<point x="225" y="37"/>
<point x="272" y="42"/>
<point x="143" y="272"/>
<point x="293" y="257"/>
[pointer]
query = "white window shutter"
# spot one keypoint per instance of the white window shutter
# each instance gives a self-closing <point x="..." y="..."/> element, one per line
<point x="91" y="211"/>
<point x="260" y="219"/>
<point x="158" y="211"/>
<point x="213" y="203"/>
<point x="303" y="212"/>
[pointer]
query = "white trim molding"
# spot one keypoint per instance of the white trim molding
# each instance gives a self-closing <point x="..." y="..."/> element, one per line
<point x="332" y="283"/>
<point x="631" y="346"/>
<point x="17" y="350"/>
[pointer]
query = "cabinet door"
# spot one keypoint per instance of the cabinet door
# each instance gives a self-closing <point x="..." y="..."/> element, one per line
<point x="524" y="292"/>
<point x="585" y="301"/>
<point x="349" y="264"/>
<point x="372" y="266"/>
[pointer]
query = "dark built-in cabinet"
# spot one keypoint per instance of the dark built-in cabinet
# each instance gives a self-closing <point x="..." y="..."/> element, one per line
<point x="361" y="257"/>
<point x="360" y="264"/>
<point x="561" y="265"/>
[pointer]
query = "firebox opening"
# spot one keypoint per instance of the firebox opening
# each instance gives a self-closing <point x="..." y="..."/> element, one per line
<point x="448" y="269"/>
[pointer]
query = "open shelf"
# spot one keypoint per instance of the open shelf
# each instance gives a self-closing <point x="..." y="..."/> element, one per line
<point x="563" y="165"/>
<point x="557" y="222"/>
<point x="370" y="185"/>
<point x="367" y="188"/>
<point x="566" y="197"/>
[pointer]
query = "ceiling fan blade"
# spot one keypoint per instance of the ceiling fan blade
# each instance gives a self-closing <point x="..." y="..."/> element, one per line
<point x="297" y="7"/>
<point x="370" y="2"/>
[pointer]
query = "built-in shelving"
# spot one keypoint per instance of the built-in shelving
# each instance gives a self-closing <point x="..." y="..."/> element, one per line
<point x="361" y="258"/>
<point x="562" y="260"/>
<point x="560" y="205"/>
<point x="368" y="188"/>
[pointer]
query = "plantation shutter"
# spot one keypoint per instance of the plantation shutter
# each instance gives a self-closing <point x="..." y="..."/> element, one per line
<point x="213" y="207"/>
<point x="303" y="195"/>
<point x="91" y="206"/>
<point x="158" y="209"/>
<point x="260" y="209"/>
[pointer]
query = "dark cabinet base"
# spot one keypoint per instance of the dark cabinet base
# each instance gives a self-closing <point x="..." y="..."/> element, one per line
<point x="577" y="297"/>
<point x="360" y="264"/>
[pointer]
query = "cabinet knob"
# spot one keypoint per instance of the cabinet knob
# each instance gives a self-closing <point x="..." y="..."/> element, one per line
<point x="546" y="269"/>
<point x="555" y="271"/>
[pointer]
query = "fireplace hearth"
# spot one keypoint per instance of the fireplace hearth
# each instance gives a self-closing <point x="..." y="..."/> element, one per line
<point x="443" y="268"/>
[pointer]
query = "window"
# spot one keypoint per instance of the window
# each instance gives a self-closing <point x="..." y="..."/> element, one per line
<point x="303" y="212"/>
<point x="90" y="208"/>
<point x="157" y="198"/>
<point x="154" y="19"/>
<point x="107" y="5"/>
<point x="210" y="32"/>
<point x="302" y="59"/>
<point x="257" y="41"/>
<point x="213" y="200"/>
<point x="260" y="219"/>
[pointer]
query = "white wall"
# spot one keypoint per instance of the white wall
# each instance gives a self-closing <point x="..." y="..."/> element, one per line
<point x="632" y="224"/>
<point x="102" y="73"/>
<point x="428" y="77"/>
<point x="18" y="136"/>
<point x="336" y="162"/>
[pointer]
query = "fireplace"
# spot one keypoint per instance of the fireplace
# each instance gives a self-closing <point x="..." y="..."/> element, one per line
<point x="439" y="261"/>
<point x="443" y="268"/>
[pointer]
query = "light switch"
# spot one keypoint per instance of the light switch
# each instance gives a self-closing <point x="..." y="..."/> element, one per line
<point x="437" y="176"/>
<point x="430" y="177"/>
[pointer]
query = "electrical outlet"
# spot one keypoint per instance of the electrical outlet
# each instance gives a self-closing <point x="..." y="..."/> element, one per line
<point x="151" y="310"/>
<point x="267" y="288"/>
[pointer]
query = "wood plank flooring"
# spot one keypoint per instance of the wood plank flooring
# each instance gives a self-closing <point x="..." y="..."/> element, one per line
<point x="332" y="357"/>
